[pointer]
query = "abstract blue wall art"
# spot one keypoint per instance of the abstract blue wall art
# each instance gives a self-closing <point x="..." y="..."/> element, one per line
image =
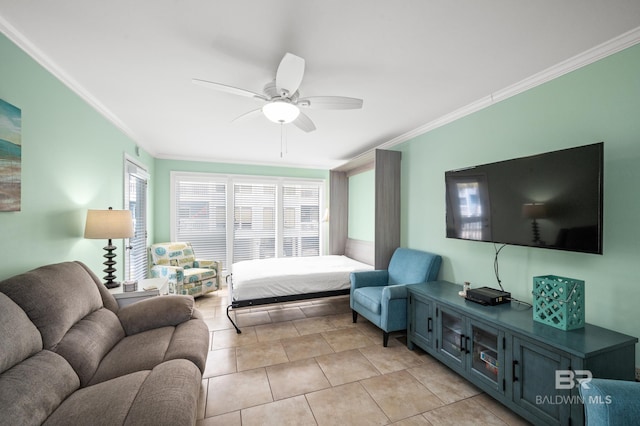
<point x="10" y="157"/>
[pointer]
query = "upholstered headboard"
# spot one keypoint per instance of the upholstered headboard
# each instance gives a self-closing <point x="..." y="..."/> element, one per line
<point x="362" y="251"/>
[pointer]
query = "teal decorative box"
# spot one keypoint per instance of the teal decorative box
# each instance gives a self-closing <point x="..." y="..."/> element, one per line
<point x="558" y="302"/>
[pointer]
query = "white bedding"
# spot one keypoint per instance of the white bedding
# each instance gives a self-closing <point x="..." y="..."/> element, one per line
<point x="257" y="279"/>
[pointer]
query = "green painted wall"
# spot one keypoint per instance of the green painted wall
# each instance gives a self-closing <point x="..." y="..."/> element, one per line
<point x="600" y="102"/>
<point x="362" y="194"/>
<point x="162" y="180"/>
<point x="72" y="160"/>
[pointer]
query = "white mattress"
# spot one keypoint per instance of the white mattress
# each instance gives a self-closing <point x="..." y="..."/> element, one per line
<point x="257" y="279"/>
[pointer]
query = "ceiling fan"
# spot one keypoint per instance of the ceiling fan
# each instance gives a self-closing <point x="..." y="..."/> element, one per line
<point x="282" y="99"/>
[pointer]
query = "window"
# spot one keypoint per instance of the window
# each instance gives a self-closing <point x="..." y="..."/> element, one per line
<point x="136" y="259"/>
<point x="254" y="235"/>
<point x="199" y="212"/>
<point x="235" y="218"/>
<point x="301" y="205"/>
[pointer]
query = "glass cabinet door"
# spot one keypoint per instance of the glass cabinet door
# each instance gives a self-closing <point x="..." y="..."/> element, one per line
<point x="486" y="356"/>
<point x="452" y="338"/>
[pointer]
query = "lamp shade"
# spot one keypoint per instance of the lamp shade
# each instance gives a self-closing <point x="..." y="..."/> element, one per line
<point x="534" y="210"/>
<point x="108" y="224"/>
<point x="281" y="111"/>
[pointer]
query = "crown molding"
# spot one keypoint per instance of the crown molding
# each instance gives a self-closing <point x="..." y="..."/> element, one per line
<point x="590" y="56"/>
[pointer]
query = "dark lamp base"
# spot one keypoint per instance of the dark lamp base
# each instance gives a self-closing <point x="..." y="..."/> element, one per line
<point x="110" y="264"/>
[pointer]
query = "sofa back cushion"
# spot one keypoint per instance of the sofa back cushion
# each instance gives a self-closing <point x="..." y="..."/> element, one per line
<point x="31" y="390"/>
<point x="89" y="340"/>
<point x="33" y="382"/>
<point x="20" y="338"/>
<point x="65" y="304"/>
<point x="173" y="254"/>
<point x="54" y="297"/>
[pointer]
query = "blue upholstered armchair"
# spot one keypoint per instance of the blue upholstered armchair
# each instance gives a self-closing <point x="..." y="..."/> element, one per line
<point x="381" y="295"/>
<point x="611" y="402"/>
<point x="186" y="274"/>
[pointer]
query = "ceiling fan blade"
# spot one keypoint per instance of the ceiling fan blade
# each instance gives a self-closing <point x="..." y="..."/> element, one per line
<point x="289" y="74"/>
<point x="247" y="115"/>
<point x="330" y="102"/>
<point x="228" y="89"/>
<point x="303" y="122"/>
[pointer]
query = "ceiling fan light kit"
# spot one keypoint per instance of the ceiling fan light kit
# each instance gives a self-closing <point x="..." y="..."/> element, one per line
<point x="281" y="111"/>
<point x="282" y="99"/>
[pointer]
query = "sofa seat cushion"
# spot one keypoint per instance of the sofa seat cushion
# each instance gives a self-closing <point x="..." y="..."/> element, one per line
<point x="188" y="340"/>
<point x="194" y="275"/>
<point x="369" y="297"/>
<point x="128" y="356"/>
<point x="166" y="395"/>
<point x="34" y="388"/>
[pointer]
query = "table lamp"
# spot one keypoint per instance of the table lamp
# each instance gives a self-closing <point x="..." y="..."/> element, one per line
<point x="109" y="224"/>
<point x="534" y="211"/>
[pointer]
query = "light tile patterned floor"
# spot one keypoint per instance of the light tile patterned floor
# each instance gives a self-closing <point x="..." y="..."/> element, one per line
<point x="306" y="363"/>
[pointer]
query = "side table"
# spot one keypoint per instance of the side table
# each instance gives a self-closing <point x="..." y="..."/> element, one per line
<point x="153" y="286"/>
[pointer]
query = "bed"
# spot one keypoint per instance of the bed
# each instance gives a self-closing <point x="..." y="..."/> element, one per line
<point x="255" y="282"/>
<point x="263" y="281"/>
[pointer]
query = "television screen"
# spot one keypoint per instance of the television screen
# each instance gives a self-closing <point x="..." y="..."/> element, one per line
<point x="551" y="200"/>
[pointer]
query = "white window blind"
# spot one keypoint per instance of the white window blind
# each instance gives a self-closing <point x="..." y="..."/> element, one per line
<point x="254" y="227"/>
<point x="136" y="264"/>
<point x="301" y="229"/>
<point x="200" y="210"/>
<point x="236" y="218"/>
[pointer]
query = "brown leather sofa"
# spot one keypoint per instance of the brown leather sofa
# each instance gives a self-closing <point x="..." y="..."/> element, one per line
<point x="70" y="355"/>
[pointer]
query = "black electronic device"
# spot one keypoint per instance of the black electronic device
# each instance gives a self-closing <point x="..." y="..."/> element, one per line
<point x="488" y="296"/>
<point x="552" y="200"/>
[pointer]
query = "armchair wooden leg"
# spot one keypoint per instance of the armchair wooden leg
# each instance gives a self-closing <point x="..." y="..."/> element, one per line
<point x="385" y="339"/>
<point x="355" y="316"/>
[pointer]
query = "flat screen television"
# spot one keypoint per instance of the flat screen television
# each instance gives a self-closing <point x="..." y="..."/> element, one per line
<point x="551" y="200"/>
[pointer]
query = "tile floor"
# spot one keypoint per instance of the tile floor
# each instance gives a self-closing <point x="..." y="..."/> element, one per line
<point x="306" y="363"/>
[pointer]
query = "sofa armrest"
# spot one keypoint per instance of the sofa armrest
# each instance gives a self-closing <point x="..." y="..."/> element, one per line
<point x="173" y="274"/>
<point x="205" y="263"/>
<point x="375" y="278"/>
<point x="611" y="402"/>
<point x="396" y="291"/>
<point x="156" y="312"/>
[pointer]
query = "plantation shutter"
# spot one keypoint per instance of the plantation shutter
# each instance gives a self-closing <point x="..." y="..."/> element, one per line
<point x="136" y="264"/>
<point x="254" y="221"/>
<point x="301" y="220"/>
<point x="201" y="216"/>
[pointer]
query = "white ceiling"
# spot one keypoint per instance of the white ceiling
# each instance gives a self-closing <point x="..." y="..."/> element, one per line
<point x="412" y="61"/>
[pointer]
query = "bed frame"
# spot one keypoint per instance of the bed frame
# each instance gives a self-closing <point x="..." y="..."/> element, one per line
<point x="362" y="251"/>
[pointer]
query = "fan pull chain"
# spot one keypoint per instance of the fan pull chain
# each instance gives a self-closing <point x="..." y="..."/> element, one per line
<point x="283" y="141"/>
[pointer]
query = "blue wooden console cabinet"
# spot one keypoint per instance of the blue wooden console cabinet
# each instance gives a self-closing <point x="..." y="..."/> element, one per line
<point x="530" y="367"/>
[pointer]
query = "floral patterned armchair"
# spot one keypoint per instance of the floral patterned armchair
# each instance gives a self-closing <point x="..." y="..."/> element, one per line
<point x="186" y="274"/>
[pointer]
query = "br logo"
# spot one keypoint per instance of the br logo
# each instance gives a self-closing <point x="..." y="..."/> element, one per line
<point x="569" y="379"/>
